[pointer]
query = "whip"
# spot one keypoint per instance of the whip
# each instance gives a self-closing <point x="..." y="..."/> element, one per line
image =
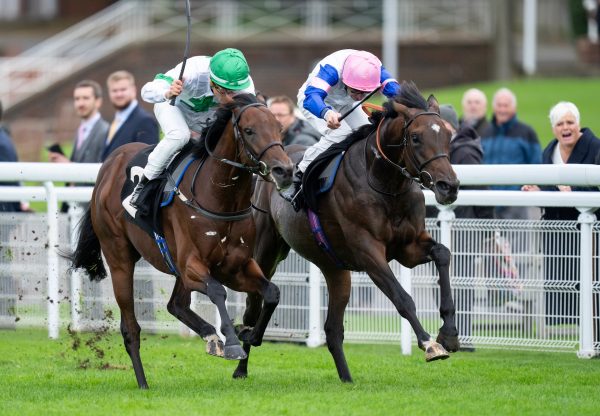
<point x="186" y="53"/>
<point x="359" y="103"/>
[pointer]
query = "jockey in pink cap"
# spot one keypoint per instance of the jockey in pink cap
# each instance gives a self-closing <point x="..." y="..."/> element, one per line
<point x="335" y="84"/>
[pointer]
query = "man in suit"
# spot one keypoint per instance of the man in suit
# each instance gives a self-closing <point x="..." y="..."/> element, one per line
<point x="88" y="145"/>
<point x="131" y="123"/>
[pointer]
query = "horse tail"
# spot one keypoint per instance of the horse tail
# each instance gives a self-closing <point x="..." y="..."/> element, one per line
<point x="88" y="255"/>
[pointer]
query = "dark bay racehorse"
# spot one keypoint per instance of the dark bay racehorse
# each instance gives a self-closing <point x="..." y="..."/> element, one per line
<point x="209" y="228"/>
<point x="373" y="214"/>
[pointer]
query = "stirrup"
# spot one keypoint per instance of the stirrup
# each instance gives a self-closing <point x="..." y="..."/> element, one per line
<point x="137" y="191"/>
<point x="298" y="200"/>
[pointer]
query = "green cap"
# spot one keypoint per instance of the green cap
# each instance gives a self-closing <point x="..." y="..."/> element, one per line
<point x="229" y="69"/>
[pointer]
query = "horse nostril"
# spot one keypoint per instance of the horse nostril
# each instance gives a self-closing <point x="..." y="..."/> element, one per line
<point x="443" y="186"/>
<point x="279" y="171"/>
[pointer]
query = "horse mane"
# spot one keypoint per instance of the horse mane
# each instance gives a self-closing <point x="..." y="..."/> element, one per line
<point x="409" y="96"/>
<point x="212" y="133"/>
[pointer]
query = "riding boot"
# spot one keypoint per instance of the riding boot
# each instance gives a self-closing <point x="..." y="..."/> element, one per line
<point x="294" y="188"/>
<point x="137" y="191"/>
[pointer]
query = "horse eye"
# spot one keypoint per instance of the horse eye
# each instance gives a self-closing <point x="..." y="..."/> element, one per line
<point x="415" y="138"/>
<point x="248" y="131"/>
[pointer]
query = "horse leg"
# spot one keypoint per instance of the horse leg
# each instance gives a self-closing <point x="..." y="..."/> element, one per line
<point x="269" y="250"/>
<point x="179" y="306"/>
<point x="217" y="294"/>
<point x="251" y="314"/>
<point x="338" y="286"/>
<point x="380" y="273"/>
<point x="122" y="279"/>
<point x="448" y="334"/>
<point x="270" y="295"/>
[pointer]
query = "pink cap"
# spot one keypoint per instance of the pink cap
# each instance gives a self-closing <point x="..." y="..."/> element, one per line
<point x="362" y="71"/>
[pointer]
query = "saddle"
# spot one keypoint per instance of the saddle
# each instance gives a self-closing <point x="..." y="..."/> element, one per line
<point x="320" y="174"/>
<point x="158" y="192"/>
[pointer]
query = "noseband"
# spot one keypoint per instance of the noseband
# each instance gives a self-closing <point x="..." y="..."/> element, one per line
<point x="259" y="167"/>
<point x="423" y="177"/>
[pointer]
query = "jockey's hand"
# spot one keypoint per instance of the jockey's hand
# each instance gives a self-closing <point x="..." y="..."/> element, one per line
<point x="175" y="89"/>
<point x="332" y="119"/>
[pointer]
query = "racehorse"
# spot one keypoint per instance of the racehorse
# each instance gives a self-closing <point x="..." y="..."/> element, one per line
<point x="209" y="229"/>
<point x="373" y="214"/>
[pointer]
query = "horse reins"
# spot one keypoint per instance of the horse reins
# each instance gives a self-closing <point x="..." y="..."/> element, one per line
<point x="411" y="154"/>
<point x="259" y="167"/>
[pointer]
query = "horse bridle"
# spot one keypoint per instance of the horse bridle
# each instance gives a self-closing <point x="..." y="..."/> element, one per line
<point x="259" y="167"/>
<point x="423" y="177"/>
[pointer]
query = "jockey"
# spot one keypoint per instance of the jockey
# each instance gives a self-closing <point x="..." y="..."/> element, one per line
<point x="333" y="87"/>
<point x="207" y="81"/>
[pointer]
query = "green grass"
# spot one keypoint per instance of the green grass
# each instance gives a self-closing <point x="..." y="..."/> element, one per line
<point x="535" y="97"/>
<point x="40" y="376"/>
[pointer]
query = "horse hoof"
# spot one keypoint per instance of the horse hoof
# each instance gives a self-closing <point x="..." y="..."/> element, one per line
<point x="239" y="374"/>
<point x="449" y="342"/>
<point x="214" y="346"/>
<point x="235" y="352"/>
<point x="246" y="335"/>
<point x="434" y="351"/>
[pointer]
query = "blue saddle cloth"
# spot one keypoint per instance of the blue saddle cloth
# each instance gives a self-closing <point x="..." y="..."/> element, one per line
<point x="157" y="193"/>
<point x="320" y="174"/>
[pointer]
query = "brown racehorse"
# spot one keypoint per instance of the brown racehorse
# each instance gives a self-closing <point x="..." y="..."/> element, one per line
<point x="374" y="213"/>
<point x="209" y="229"/>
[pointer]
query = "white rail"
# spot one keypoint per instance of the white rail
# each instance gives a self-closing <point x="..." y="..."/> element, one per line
<point x="540" y="174"/>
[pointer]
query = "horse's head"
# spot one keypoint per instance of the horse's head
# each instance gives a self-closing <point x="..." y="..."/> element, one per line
<point x="424" y="143"/>
<point x="257" y="136"/>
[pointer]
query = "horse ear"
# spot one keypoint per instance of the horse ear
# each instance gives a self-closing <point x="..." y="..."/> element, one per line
<point x="433" y="104"/>
<point x="401" y="109"/>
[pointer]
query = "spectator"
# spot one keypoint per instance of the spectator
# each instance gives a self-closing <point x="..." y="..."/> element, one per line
<point x="332" y="88"/>
<point x="509" y="141"/>
<point x="88" y="143"/>
<point x="8" y="153"/>
<point x="571" y="144"/>
<point x="474" y="107"/>
<point x="295" y="130"/>
<point x="207" y="81"/>
<point x="465" y="149"/>
<point x="131" y="123"/>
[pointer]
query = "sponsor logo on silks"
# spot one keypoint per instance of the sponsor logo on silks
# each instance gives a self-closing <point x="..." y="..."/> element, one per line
<point x="199" y="105"/>
<point x="165" y="78"/>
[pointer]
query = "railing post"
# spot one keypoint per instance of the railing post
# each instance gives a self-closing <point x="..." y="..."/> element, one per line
<point x="314" y="307"/>
<point x="586" y="341"/>
<point x="405" y="328"/>
<point x="53" y="316"/>
<point x="75" y="213"/>
<point x="445" y="217"/>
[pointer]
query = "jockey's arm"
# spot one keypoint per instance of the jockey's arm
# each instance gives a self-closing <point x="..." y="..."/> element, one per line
<point x="317" y="88"/>
<point x="156" y="90"/>
<point x="389" y="86"/>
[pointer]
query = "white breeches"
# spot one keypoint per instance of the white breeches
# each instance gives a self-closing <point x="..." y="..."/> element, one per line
<point x="354" y="120"/>
<point x="176" y="135"/>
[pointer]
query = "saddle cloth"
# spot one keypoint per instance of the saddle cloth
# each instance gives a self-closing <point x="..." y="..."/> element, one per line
<point x="158" y="192"/>
<point x="320" y="174"/>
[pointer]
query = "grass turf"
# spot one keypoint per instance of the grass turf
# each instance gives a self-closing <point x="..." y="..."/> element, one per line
<point x="51" y="377"/>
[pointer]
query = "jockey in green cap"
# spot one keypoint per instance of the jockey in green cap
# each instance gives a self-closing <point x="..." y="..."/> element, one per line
<point x="207" y="81"/>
